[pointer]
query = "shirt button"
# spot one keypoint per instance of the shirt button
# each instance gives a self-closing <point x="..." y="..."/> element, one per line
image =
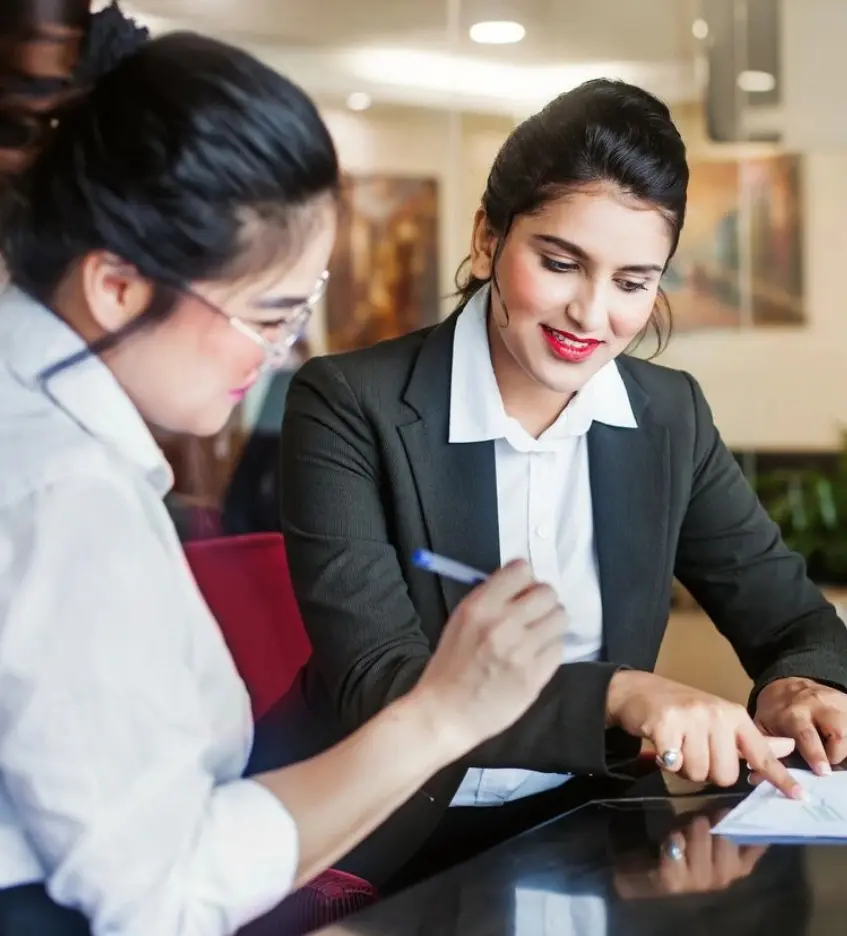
<point x="542" y="532"/>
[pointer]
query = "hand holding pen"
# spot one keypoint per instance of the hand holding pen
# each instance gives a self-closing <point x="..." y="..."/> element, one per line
<point x="498" y="650"/>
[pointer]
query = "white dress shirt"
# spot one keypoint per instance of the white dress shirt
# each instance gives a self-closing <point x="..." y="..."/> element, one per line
<point x="124" y="726"/>
<point x="544" y="507"/>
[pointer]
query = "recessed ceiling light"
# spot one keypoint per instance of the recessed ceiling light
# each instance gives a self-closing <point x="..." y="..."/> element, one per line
<point x="700" y="29"/>
<point x="497" y="32"/>
<point x="756" y="82"/>
<point x="359" y="101"/>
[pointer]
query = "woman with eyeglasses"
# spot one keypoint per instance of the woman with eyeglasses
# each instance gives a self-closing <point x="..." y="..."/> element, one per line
<point x="165" y="242"/>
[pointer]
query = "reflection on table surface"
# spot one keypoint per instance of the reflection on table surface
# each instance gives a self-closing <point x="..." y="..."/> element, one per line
<point x="648" y="867"/>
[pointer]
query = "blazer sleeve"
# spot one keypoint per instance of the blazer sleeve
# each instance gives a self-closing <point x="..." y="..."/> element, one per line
<point x="369" y="645"/>
<point x="732" y="559"/>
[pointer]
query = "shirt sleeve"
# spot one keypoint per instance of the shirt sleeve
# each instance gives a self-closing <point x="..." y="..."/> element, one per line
<point x="106" y="751"/>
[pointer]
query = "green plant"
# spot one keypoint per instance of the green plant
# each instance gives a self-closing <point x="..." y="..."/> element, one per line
<point x="810" y="507"/>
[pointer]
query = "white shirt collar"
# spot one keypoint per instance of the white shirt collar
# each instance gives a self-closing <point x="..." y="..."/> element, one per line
<point x="32" y="339"/>
<point x="476" y="407"/>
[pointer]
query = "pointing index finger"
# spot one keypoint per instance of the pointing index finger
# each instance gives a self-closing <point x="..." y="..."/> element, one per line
<point x="754" y="748"/>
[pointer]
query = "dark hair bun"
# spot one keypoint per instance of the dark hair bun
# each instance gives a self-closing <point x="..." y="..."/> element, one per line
<point x="112" y="37"/>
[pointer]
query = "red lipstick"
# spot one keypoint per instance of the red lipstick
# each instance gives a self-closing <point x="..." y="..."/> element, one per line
<point x="568" y="347"/>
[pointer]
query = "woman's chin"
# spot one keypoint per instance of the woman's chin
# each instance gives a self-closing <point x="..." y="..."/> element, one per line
<point x="211" y="423"/>
<point x="554" y="377"/>
<point x="203" y="424"/>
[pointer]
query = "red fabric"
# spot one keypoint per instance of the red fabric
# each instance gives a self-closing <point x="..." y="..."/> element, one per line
<point x="329" y="898"/>
<point x="245" y="582"/>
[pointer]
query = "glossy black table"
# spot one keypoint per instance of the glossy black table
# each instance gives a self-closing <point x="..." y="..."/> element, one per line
<point x="628" y="867"/>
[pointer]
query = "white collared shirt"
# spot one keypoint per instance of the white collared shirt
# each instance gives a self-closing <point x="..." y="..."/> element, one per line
<point x="124" y="726"/>
<point x="544" y="507"/>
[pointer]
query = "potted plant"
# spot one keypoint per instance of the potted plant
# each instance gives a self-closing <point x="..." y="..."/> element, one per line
<point x="810" y="507"/>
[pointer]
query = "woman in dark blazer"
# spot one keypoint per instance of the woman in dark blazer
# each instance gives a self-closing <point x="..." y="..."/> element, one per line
<point x="520" y="427"/>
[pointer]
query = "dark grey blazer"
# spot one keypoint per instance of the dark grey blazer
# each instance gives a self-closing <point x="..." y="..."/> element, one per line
<point x="370" y="477"/>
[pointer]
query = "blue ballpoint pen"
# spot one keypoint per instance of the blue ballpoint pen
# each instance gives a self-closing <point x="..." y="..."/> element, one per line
<point x="447" y="568"/>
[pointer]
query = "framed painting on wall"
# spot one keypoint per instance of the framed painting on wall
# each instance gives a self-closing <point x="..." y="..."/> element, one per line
<point x="773" y="196"/>
<point x="739" y="261"/>
<point x="384" y="269"/>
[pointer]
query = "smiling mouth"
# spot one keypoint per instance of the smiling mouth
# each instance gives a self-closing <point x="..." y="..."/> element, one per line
<point x="568" y="347"/>
<point x="571" y="341"/>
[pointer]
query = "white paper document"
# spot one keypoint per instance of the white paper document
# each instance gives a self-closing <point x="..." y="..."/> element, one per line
<point x="767" y="814"/>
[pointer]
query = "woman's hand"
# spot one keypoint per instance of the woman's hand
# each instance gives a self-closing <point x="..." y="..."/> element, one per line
<point x="815" y="716"/>
<point x="710" y="734"/>
<point x="498" y="651"/>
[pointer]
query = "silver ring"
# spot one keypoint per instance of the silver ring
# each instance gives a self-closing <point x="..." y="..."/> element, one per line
<point x="674" y="851"/>
<point x="670" y="758"/>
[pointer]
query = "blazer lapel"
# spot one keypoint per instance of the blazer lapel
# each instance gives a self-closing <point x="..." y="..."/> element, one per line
<point x="456" y="483"/>
<point x="630" y="480"/>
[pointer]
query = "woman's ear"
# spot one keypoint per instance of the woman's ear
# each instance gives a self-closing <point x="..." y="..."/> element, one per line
<point x="483" y="247"/>
<point x="115" y="293"/>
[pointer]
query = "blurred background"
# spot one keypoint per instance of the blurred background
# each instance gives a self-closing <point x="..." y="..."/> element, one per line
<point x="419" y="97"/>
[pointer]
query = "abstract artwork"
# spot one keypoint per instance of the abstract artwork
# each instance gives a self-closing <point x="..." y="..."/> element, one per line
<point x="739" y="261"/>
<point x="773" y="197"/>
<point x="384" y="271"/>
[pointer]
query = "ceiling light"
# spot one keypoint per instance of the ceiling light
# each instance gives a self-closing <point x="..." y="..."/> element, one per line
<point x="497" y="32"/>
<point x="700" y="29"/>
<point x="359" y="101"/>
<point x="756" y="82"/>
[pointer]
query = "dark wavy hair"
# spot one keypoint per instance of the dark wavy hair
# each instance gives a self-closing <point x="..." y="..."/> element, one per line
<point x="600" y="132"/>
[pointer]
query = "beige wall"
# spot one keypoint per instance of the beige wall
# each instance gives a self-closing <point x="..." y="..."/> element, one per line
<point x="769" y="388"/>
